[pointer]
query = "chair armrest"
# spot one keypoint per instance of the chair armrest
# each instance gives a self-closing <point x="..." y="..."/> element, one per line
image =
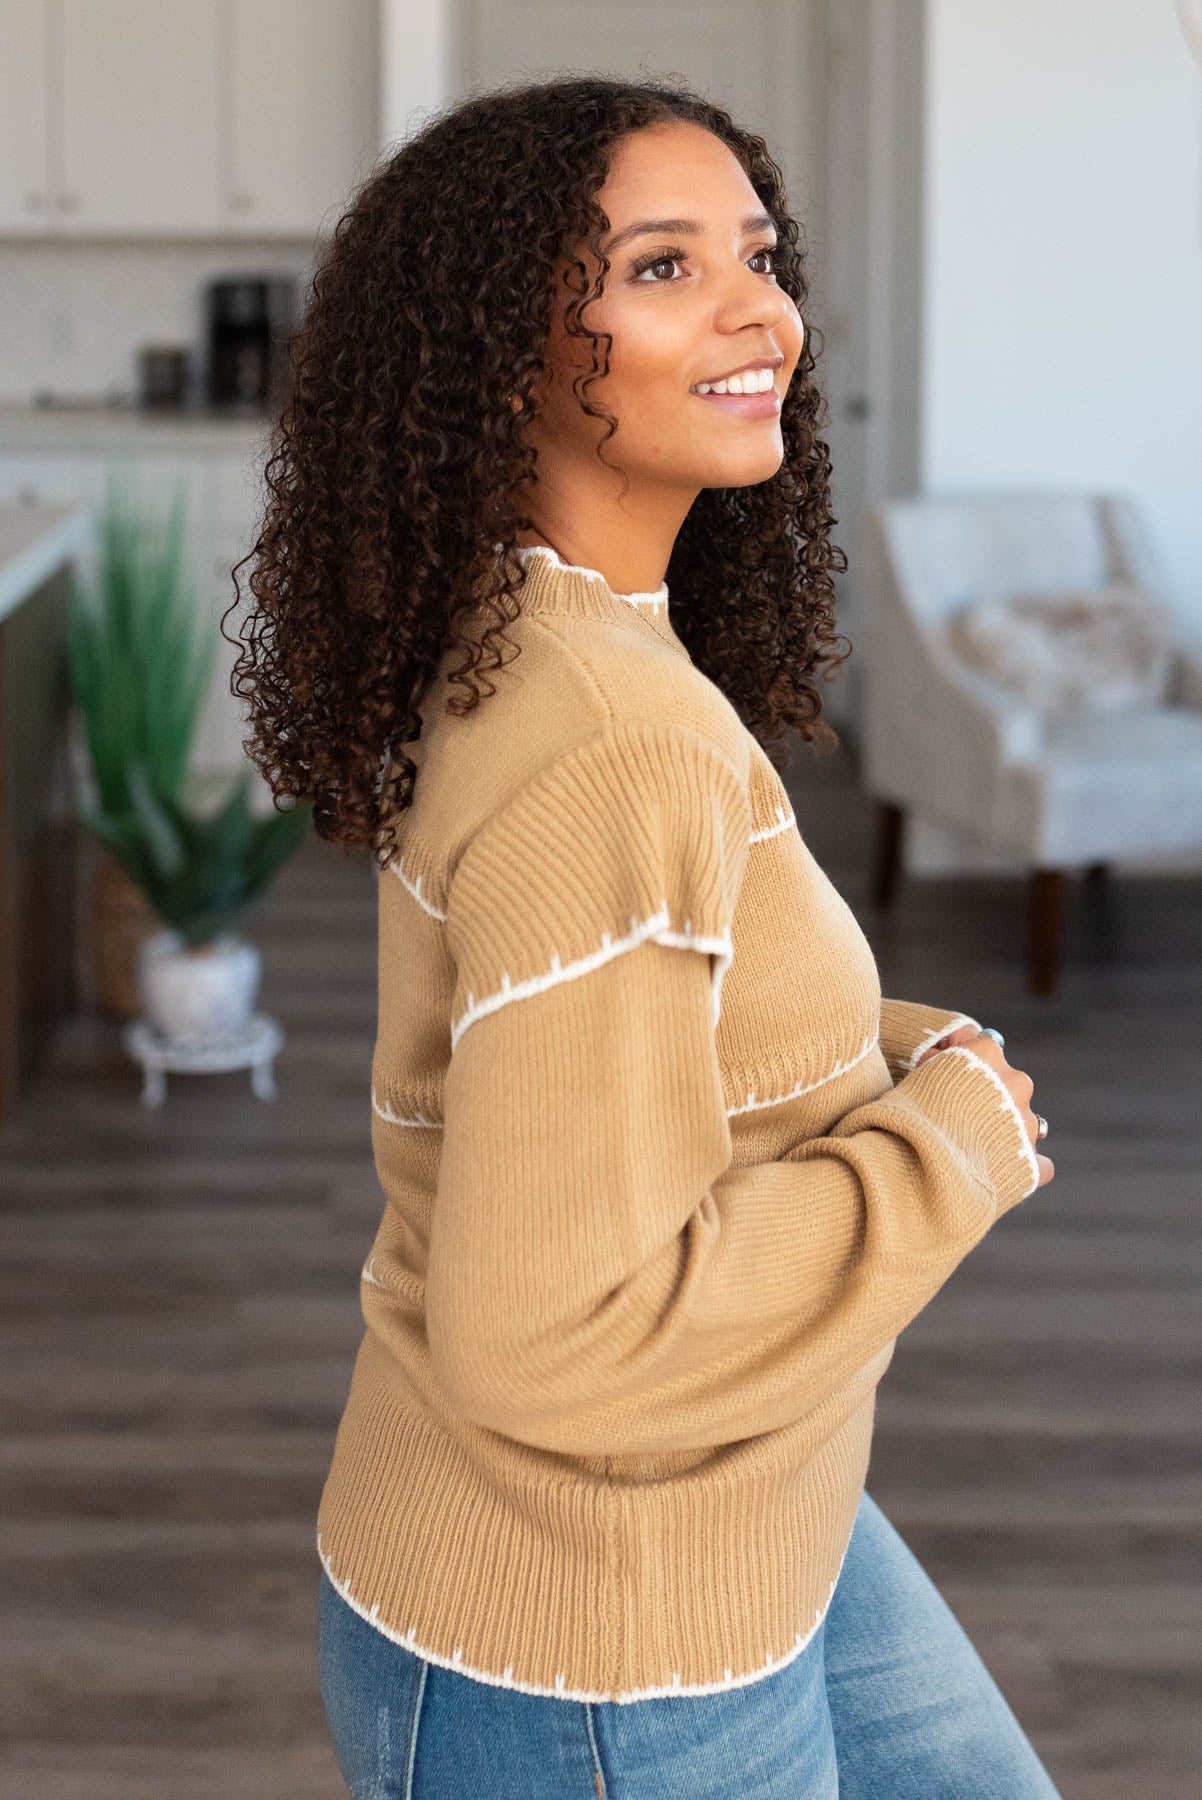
<point x="940" y="738"/>
<point x="1012" y="730"/>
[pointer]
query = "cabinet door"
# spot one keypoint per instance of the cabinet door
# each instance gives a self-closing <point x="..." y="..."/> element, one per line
<point x="24" y="110"/>
<point x="48" y="478"/>
<point x="303" y="111"/>
<point x="147" y="476"/>
<point x="139" y="112"/>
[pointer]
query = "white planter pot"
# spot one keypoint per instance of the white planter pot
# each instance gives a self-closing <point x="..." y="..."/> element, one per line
<point x="202" y="995"/>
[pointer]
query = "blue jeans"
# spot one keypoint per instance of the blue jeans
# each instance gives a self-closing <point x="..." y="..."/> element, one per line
<point x="888" y="1701"/>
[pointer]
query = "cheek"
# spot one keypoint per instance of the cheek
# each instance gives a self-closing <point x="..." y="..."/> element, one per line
<point x="793" y="332"/>
<point x="652" y="352"/>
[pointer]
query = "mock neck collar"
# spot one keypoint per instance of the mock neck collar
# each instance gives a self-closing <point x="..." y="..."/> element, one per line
<point x="555" y="586"/>
<point x="655" y="602"/>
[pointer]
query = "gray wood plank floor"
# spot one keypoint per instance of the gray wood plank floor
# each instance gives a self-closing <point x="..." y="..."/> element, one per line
<point x="180" y="1312"/>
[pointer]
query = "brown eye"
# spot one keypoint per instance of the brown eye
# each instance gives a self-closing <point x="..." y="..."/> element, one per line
<point x="660" y="260"/>
<point x="769" y="250"/>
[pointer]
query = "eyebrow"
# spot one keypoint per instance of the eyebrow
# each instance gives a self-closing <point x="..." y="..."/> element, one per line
<point x="757" y="221"/>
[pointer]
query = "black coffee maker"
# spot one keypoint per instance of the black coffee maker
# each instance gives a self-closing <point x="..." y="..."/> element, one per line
<point x="248" y="320"/>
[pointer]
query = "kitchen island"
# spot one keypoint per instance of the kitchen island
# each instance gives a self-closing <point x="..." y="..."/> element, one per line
<point x="38" y="824"/>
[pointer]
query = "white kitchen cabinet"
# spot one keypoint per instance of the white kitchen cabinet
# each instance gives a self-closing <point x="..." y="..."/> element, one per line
<point x="302" y="110"/>
<point x="223" y="509"/>
<point x="25" y="168"/>
<point x="139" y="113"/>
<point x="222" y="118"/>
<point x="48" y="478"/>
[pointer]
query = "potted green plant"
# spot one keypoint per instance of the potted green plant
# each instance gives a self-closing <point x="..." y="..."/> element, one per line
<point x="133" y="618"/>
<point x="140" y="666"/>
<point x="198" y="976"/>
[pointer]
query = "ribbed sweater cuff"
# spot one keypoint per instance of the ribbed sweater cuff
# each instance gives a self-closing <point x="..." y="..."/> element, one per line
<point x="970" y="1101"/>
<point x="911" y="1027"/>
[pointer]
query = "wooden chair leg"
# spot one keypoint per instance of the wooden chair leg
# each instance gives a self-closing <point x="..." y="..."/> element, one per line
<point x="1045" y="930"/>
<point x="890" y="831"/>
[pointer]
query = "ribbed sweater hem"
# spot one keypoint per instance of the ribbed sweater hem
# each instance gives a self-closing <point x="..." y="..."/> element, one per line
<point x="425" y="1544"/>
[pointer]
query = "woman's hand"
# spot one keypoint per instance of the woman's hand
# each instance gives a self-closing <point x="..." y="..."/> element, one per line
<point x="1016" y="1080"/>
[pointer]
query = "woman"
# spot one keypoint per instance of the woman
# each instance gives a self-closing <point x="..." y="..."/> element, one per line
<point x="665" y="1174"/>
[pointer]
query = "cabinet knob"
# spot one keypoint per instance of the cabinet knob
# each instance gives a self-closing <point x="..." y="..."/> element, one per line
<point x="35" y="200"/>
<point x="241" y="201"/>
<point x="68" y="201"/>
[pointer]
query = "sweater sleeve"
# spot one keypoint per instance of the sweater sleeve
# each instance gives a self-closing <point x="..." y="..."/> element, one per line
<point x="601" y="1279"/>
<point x="908" y="1028"/>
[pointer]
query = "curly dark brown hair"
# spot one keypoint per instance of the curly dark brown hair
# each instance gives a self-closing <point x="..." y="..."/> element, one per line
<point x="396" y="459"/>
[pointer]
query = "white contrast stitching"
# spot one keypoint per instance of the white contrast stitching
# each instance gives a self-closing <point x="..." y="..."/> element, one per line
<point x="657" y="600"/>
<point x="751" y="1104"/>
<point x="656" y="926"/>
<point x="933" y="1036"/>
<point x="415" y="888"/>
<point x="385" y="1112"/>
<point x="783" y="824"/>
<point x="1007" y="1103"/>
<point x="783" y="821"/>
<point x="560" y="1691"/>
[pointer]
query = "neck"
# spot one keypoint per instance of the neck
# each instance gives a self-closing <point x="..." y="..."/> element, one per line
<point x="628" y="543"/>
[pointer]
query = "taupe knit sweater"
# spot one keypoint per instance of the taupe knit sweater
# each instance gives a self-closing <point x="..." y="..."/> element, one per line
<point x="661" y="1183"/>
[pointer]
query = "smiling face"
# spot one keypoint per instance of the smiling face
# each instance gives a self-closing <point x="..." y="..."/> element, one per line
<point x="690" y="298"/>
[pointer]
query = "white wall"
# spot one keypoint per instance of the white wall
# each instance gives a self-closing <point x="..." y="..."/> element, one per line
<point x="1062" y="332"/>
<point x="1061" y="311"/>
<point x="415" y="57"/>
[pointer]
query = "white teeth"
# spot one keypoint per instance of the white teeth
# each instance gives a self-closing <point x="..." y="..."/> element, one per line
<point x="751" y="381"/>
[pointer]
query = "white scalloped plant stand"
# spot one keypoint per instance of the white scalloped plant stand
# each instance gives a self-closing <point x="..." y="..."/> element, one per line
<point x="253" y="1048"/>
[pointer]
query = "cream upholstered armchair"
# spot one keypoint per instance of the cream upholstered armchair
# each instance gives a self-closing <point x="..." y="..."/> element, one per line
<point x="1056" y="793"/>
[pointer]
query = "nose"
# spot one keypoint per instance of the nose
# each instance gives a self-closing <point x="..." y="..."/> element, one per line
<point x="749" y="298"/>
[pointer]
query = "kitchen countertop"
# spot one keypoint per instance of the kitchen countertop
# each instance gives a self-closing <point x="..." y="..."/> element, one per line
<point x="34" y="542"/>
<point x="27" y="427"/>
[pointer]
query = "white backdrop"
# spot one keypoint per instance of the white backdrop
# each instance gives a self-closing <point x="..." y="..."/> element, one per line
<point x="1062" y="332"/>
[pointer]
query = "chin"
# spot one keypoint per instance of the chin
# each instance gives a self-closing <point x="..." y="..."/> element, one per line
<point x="743" y="471"/>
